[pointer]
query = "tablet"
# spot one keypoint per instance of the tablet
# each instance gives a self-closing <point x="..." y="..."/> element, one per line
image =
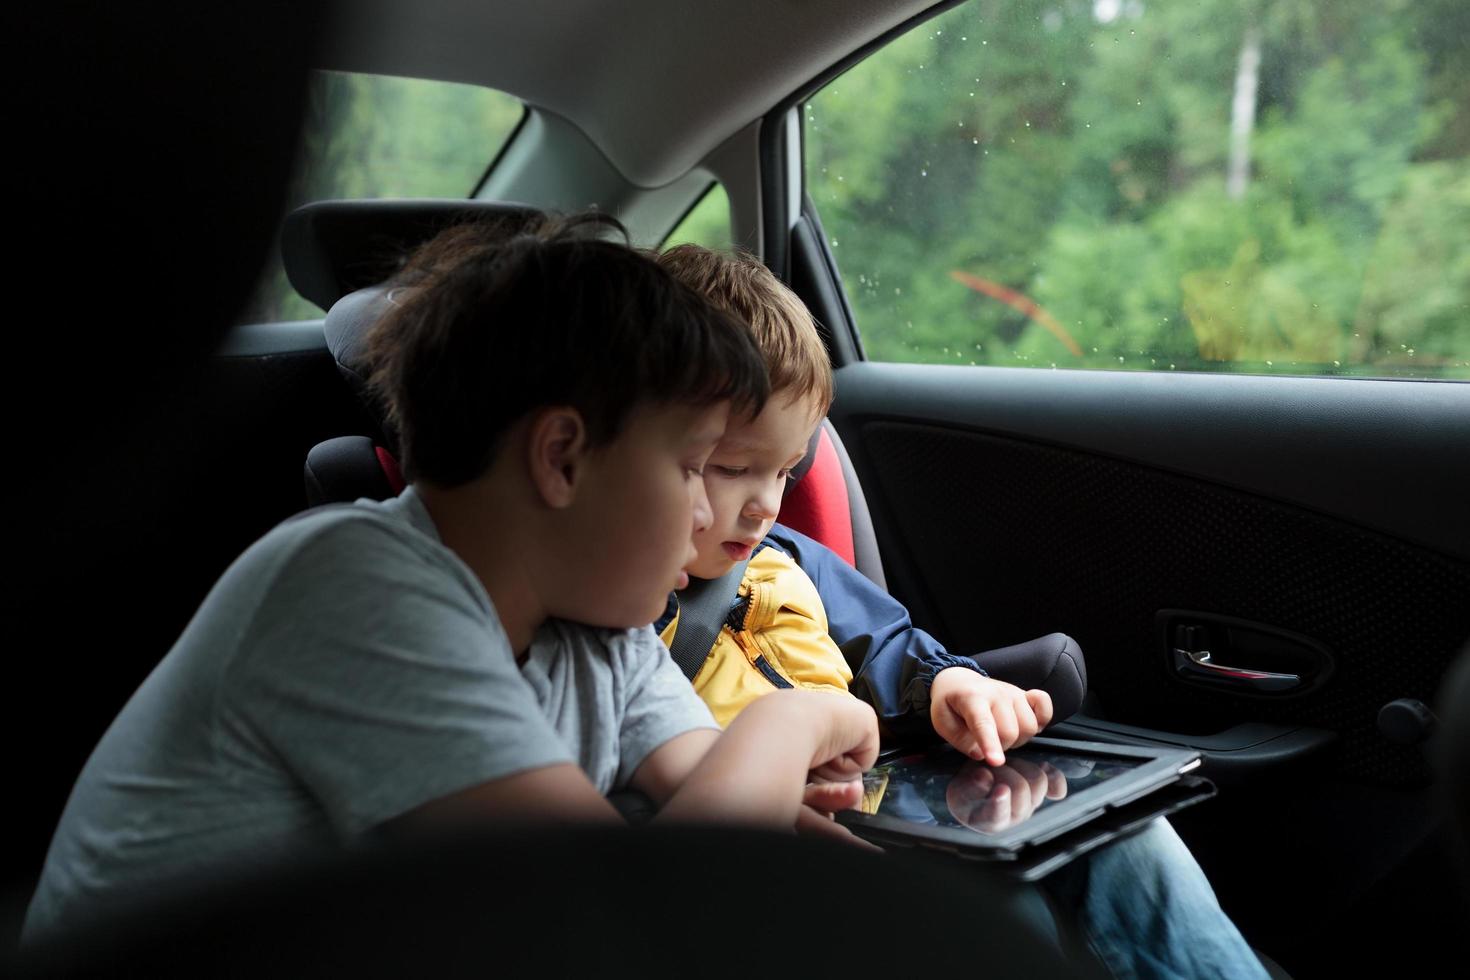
<point x="1077" y="794"/>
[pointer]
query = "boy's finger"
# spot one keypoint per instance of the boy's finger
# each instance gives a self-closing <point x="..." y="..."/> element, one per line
<point x="1026" y="725"/>
<point x="1006" y="726"/>
<point x="833" y="796"/>
<point x="962" y="740"/>
<point x="951" y="726"/>
<point x="1040" y="702"/>
<point x="978" y="718"/>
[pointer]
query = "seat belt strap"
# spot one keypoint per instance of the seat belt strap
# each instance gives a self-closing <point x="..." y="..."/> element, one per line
<point x="703" y="606"/>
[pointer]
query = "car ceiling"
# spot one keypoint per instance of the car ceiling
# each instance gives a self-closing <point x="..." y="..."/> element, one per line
<point x="655" y="84"/>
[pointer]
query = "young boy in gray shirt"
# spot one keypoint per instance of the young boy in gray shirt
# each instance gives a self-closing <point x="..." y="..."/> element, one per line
<point x="476" y="648"/>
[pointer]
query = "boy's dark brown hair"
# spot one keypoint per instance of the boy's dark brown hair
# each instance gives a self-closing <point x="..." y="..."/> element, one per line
<point x="796" y="359"/>
<point x="491" y="321"/>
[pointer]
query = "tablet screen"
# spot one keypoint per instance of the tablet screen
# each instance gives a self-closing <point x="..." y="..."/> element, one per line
<point x="943" y="788"/>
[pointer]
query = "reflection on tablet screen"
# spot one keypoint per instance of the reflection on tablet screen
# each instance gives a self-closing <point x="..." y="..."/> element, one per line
<point x="946" y="789"/>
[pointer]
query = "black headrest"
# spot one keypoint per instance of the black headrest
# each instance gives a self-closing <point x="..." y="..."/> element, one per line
<point x="340" y="470"/>
<point x="346" y="328"/>
<point x="331" y="248"/>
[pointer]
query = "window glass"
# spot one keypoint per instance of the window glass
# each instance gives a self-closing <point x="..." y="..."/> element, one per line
<point x="707" y="223"/>
<point x="1212" y="185"/>
<point x="369" y="136"/>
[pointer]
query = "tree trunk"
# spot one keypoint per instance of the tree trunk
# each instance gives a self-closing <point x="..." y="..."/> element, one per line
<point x="1243" y="113"/>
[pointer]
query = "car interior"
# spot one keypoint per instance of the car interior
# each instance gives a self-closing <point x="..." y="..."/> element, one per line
<point x="1272" y="568"/>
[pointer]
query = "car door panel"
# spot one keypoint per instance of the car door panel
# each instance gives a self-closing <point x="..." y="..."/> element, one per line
<point x="1010" y="503"/>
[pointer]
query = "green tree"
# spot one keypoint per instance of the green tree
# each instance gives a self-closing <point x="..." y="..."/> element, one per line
<point x="1264" y="185"/>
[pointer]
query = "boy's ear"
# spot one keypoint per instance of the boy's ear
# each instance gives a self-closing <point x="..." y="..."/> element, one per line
<point x="557" y="445"/>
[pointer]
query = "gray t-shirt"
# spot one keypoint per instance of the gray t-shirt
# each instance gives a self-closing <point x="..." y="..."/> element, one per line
<point x="346" y="669"/>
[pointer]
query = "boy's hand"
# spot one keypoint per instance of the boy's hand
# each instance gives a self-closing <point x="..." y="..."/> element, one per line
<point x="849" y="743"/>
<point x="759" y="771"/>
<point x="981" y="716"/>
<point x="815" y="815"/>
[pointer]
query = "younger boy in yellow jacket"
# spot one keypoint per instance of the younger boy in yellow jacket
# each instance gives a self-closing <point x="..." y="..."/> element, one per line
<point x="1144" y="904"/>
<point x="777" y="635"/>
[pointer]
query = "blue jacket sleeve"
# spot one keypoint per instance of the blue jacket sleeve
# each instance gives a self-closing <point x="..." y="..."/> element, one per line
<point x="893" y="661"/>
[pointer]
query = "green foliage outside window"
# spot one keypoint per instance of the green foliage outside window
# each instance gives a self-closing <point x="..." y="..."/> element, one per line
<point x="372" y="136"/>
<point x="707" y="223"/>
<point x="1273" y="187"/>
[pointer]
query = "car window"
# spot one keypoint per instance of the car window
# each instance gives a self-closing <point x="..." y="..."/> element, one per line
<point x="368" y="136"/>
<point x="1214" y="185"/>
<point x="707" y="223"/>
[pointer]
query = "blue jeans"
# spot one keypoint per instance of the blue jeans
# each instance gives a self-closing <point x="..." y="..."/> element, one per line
<point x="1146" y="909"/>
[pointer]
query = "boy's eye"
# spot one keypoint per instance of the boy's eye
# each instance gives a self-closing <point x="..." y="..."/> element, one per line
<point x="730" y="471"/>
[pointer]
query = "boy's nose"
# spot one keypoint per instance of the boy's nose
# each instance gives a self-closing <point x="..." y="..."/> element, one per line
<point x="764" y="506"/>
<point x="703" y="514"/>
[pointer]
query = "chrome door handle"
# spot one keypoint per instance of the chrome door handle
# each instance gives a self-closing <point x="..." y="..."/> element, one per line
<point x="1197" y="663"/>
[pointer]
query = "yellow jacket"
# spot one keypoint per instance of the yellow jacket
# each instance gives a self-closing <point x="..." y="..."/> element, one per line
<point x="781" y="640"/>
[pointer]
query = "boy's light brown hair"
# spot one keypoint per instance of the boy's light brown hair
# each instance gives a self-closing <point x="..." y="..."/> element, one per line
<point x="796" y="359"/>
